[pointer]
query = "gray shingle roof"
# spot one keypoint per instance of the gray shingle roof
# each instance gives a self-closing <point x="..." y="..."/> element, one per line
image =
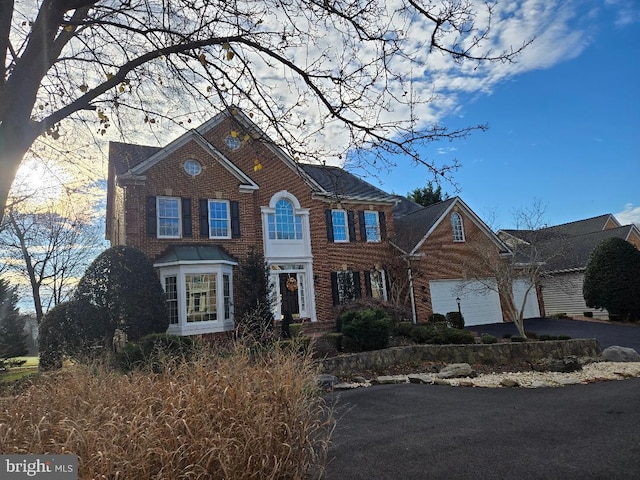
<point x="125" y="156"/>
<point x="338" y="181"/>
<point x="412" y="228"/>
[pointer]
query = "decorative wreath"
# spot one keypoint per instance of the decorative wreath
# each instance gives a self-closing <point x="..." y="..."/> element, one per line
<point x="292" y="284"/>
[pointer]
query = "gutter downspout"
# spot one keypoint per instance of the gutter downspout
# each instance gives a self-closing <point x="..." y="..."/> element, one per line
<point x="414" y="317"/>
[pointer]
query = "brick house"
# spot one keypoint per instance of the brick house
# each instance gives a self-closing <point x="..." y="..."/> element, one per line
<point x="199" y="205"/>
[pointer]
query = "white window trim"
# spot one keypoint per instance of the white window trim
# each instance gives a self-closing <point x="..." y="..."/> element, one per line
<point x="384" y="283"/>
<point x="346" y="226"/>
<point x="215" y="200"/>
<point x="457" y="233"/>
<point x="377" y="214"/>
<point x="208" y="326"/>
<point x="179" y="200"/>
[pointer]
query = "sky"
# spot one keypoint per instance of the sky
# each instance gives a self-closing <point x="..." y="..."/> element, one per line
<point x="566" y="135"/>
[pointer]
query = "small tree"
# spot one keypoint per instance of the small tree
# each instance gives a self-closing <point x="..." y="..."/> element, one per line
<point x="13" y="338"/>
<point x="612" y="279"/>
<point x="120" y="290"/>
<point x="428" y="195"/>
<point x="253" y="308"/>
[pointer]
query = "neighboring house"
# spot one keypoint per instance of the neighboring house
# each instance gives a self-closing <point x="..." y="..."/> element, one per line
<point x="451" y="257"/>
<point x="199" y="205"/>
<point x="565" y="251"/>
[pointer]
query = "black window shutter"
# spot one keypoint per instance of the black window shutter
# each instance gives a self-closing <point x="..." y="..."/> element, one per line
<point x="383" y="226"/>
<point x="203" y="215"/>
<point x="187" y="222"/>
<point x="363" y="227"/>
<point x="367" y="284"/>
<point x="329" y="221"/>
<point x="334" y="288"/>
<point x="152" y="219"/>
<point x="235" y="219"/>
<point x="352" y="226"/>
<point x="356" y="285"/>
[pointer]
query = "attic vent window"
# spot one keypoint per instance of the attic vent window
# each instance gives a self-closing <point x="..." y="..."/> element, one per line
<point x="233" y="142"/>
<point x="192" y="167"/>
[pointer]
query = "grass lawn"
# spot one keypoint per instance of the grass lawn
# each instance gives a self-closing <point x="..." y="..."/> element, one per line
<point x="28" y="368"/>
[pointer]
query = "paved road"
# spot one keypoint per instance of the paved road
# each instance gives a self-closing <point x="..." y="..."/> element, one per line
<point x="625" y="335"/>
<point x="405" y="432"/>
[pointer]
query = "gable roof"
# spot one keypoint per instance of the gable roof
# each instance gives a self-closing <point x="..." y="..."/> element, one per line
<point x="567" y="247"/>
<point x="413" y="229"/>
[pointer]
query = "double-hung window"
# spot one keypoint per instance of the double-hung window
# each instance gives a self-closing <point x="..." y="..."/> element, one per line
<point x="219" y="219"/>
<point x="371" y="226"/>
<point x="340" y="226"/>
<point x="168" y="211"/>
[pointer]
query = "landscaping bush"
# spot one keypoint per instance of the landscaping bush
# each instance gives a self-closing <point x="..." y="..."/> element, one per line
<point x="365" y="330"/>
<point x="425" y="334"/>
<point x="237" y="416"/>
<point x="403" y="329"/>
<point x="488" y="339"/>
<point x="531" y="335"/>
<point x="545" y="338"/>
<point x="335" y="339"/>
<point x="559" y="316"/>
<point x="437" y="318"/>
<point x="455" y="336"/>
<point x="295" y="329"/>
<point x="516" y="339"/>
<point x="155" y="350"/>
<point x="455" y="320"/>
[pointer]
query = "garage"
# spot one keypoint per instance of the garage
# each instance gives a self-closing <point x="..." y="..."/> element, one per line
<point x="531" y="307"/>
<point x="479" y="299"/>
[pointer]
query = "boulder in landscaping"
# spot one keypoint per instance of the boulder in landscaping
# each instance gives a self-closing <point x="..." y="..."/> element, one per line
<point x="616" y="353"/>
<point x="456" y="370"/>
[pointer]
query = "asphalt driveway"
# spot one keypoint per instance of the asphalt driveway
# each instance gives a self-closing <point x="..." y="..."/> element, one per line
<point x="625" y="335"/>
<point x="404" y="432"/>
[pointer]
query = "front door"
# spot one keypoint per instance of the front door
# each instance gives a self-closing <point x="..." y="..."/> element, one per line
<point x="289" y="294"/>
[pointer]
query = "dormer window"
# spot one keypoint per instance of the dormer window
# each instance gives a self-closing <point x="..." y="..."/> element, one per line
<point x="457" y="228"/>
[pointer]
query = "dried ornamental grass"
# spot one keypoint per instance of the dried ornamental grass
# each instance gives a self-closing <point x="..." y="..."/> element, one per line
<point x="245" y="415"/>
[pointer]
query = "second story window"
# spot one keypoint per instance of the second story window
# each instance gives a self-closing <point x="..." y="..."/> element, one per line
<point x="168" y="210"/>
<point x="371" y="226"/>
<point x="457" y="228"/>
<point x="284" y="224"/>
<point x="218" y="219"/>
<point x="340" y="226"/>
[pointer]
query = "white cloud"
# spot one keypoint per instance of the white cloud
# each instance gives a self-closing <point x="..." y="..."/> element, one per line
<point x="629" y="215"/>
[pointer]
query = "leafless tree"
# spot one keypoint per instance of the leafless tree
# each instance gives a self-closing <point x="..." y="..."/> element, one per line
<point x="301" y="68"/>
<point x="49" y="249"/>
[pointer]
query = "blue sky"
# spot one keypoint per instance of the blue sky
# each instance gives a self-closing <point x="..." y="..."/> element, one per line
<point x="567" y="135"/>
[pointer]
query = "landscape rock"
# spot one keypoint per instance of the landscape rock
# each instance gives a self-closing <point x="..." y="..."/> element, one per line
<point x="350" y="386"/>
<point x="616" y="353"/>
<point x="326" y="380"/>
<point x="420" y="378"/>
<point x="392" y="379"/>
<point x="566" y="364"/>
<point x="509" y="382"/>
<point x="456" y="370"/>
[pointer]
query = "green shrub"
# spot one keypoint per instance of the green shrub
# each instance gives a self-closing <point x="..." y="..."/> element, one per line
<point x="507" y="336"/>
<point x="365" y="330"/>
<point x="546" y="338"/>
<point x="531" y="335"/>
<point x="295" y="329"/>
<point x="487" y="338"/>
<point x="517" y="339"/>
<point x="403" y="329"/>
<point x="559" y="316"/>
<point x="437" y="318"/>
<point x="335" y="339"/>
<point x="154" y="350"/>
<point x="455" y="320"/>
<point x="455" y="336"/>
<point x="425" y="334"/>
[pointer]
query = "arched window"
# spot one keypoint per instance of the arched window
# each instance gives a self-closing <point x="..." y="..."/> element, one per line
<point x="285" y="224"/>
<point x="456" y="227"/>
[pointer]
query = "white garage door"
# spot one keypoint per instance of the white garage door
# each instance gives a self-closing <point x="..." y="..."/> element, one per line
<point x="478" y="303"/>
<point x="531" y="307"/>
